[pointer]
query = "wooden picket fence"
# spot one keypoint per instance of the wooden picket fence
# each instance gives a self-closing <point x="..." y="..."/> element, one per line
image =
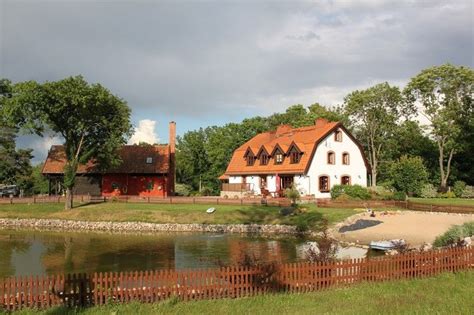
<point x="82" y="290"/>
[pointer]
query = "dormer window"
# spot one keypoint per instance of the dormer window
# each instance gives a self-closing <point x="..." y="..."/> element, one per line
<point x="250" y="160"/>
<point x="294" y="154"/>
<point x="338" y="136"/>
<point x="279" y="158"/>
<point x="149" y="160"/>
<point x="264" y="159"/>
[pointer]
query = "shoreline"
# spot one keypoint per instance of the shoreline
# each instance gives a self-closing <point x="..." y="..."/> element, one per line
<point x="145" y="227"/>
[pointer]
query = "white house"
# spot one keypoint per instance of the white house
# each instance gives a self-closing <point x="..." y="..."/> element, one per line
<point x="314" y="158"/>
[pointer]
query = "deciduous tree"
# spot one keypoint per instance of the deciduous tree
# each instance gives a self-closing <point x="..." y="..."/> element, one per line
<point x="93" y="122"/>
<point x="443" y="93"/>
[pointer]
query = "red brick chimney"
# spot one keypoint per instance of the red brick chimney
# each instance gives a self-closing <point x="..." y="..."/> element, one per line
<point x="172" y="147"/>
<point x="321" y="122"/>
<point x="281" y="129"/>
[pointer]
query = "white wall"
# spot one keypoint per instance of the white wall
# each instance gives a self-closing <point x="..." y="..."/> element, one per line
<point x="271" y="183"/>
<point x="356" y="168"/>
<point x="235" y="179"/>
<point x="303" y="184"/>
<point x="254" y="182"/>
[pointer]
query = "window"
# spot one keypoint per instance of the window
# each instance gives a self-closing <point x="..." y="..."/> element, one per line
<point x="331" y="157"/>
<point x="324" y="183"/>
<point x="345" y="158"/>
<point x="149" y="160"/>
<point x="345" y="180"/>
<point x="115" y="186"/>
<point x="294" y="157"/>
<point x="250" y="160"/>
<point x="338" y="136"/>
<point x="279" y="158"/>
<point x="286" y="182"/>
<point x="149" y="185"/>
<point x="264" y="159"/>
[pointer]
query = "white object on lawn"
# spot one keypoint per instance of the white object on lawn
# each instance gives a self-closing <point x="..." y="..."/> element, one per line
<point x="386" y="245"/>
<point x="211" y="210"/>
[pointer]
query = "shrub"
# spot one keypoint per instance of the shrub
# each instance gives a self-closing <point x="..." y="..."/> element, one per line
<point x="409" y="174"/>
<point x="428" y="191"/>
<point x="468" y="192"/>
<point x="336" y="191"/>
<point x="448" y="194"/>
<point x="353" y="191"/>
<point x="399" y="195"/>
<point x="293" y="194"/>
<point x="458" y="188"/>
<point x="326" y="247"/>
<point x="454" y="235"/>
<point x="381" y="192"/>
<point x="183" y="190"/>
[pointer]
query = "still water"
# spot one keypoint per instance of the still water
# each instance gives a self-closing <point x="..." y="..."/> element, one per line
<point x="34" y="253"/>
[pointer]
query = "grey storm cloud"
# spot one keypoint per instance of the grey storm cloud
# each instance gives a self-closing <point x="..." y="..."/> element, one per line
<point x="210" y="62"/>
<point x="210" y="58"/>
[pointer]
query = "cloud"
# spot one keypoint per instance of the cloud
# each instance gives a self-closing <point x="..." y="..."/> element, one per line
<point x="145" y="132"/>
<point x="221" y="61"/>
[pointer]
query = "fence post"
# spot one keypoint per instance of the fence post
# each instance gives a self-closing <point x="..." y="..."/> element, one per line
<point x="194" y="200"/>
<point x="217" y="200"/>
<point x="431" y="207"/>
<point x="34" y="199"/>
<point x="148" y="199"/>
<point x="406" y="204"/>
<point x="11" y="200"/>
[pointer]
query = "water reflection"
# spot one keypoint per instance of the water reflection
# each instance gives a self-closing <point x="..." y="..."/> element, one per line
<point x="34" y="252"/>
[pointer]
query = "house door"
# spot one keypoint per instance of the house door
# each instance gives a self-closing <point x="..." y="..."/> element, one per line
<point x="286" y="181"/>
<point x="263" y="182"/>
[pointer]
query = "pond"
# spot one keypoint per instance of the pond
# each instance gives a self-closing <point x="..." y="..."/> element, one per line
<point x="28" y="252"/>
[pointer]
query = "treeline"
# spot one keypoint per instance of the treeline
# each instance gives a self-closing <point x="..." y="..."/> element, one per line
<point x="403" y="152"/>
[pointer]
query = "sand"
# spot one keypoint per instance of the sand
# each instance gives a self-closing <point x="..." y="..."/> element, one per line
<point x="415" y="228"/>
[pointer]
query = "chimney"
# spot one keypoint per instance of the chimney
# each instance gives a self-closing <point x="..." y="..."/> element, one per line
<point x="283" y="129"/>
<point x="320" y="122"/>
<point x="172" y="169"/>
<point x="172" y="141"/>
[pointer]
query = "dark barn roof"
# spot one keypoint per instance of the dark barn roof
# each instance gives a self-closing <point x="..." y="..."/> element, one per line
<point x="134" y="161"/>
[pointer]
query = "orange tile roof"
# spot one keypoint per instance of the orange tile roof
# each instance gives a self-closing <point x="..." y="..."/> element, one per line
<point x="305" y="138"/>
<point x="133" y="161"/>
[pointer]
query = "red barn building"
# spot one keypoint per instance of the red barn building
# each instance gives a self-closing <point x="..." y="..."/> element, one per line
<point x="145" y="170"/>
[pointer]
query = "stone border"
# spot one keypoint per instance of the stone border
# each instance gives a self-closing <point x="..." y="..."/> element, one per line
<point x="138" y="227"/>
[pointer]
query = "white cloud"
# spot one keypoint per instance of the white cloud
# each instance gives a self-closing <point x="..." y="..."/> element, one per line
<point x="145" y="132"/>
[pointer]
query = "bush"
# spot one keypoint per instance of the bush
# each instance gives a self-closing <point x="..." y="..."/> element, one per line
<point x="353" y="191"/>
<point x="409" y="175"/>
<point x="468" y="192"/>
<point x="381" y="192"/>
<point x="399" y="195"/>
<point x="458" y="188"/>
<point x="448" y="194"/>
<point x="293" y="194"/>
<point x="183" y="190"/>
<point x="428" y="191"/>
<point x="453" y="236"/>
<point x="336" y="191"/>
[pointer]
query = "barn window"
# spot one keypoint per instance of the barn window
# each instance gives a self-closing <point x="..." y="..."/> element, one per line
<point x="115" y="185"/>
<point x="345" y="158"/>
<point x="149" y="185"/>
<point x="338" y="136"/>
<point x="345" y="180"/>
<point x="149" y="160"/>
<point x="324" y="183"/>
<point x="331" y="157"/>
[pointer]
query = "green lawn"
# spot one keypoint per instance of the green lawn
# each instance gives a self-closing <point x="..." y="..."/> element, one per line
<point x="445" y="294"/>
<point x="176" y="213"/>
<point x="445" y="201"/>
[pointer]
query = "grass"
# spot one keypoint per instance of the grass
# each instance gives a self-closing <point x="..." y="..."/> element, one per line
<point x="176" y="213"/>
<point x="444" y="294"/>
<point x="445" y="201"/>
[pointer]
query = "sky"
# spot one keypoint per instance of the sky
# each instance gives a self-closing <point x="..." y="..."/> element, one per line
<point x="203" y="63"/>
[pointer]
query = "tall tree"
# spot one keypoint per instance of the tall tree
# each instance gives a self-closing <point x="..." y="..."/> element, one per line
<point x="374" y="113"/>
<point x="93" y="122"/>
<point x="442" y="93"/>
